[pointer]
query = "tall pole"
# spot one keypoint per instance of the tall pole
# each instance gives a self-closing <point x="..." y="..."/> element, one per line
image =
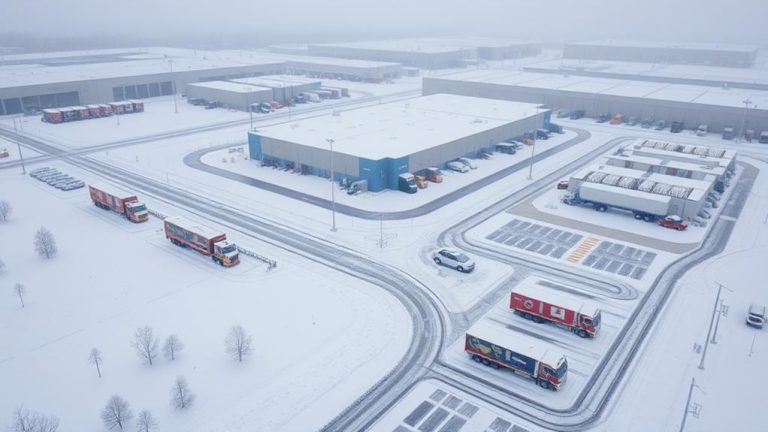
<point x="533" y="149"/>
<point x="381" y="230"/>
<point x="747" y="102"/>
<point x="687" y="404"/>
<point x="333" y="188"/>
<point x="173" y="84"/>
<point x="711" y="322"/>
<point x="717" y="322"/>
<point x="248" y="103"/>
<point x="21" y="156"/>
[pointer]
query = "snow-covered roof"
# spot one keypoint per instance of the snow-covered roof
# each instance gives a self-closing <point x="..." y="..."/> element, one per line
<point x="549" y="295"/>
<point x="398" y="129"/>
<point x="431" y="46"/>
<point x="670" y="45"/>
<point x="231" y="87"/>
<point x="659" y="161"/>
<point x="628" y="192"/>
<point x="194" y="227"/>
<point x="277" y="81"/>
<point x="112" y="190"/>
<point x="731" y="97"/>
<point x="500" y="335"/>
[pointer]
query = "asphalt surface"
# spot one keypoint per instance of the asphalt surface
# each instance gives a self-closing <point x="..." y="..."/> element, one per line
<point x="193" y="160"/>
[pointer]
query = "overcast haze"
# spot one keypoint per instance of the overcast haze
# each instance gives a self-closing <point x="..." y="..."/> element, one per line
<point x="255" y="23"/>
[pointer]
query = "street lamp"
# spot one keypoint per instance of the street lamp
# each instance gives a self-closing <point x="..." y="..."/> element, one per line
<point x="333" y="188"/>
<point x="747" y="102"/>
<point x="173" y="85"/>
<point x="21" y="157"/>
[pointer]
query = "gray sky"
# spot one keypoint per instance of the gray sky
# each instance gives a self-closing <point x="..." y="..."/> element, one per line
<point x="549" y="20"/>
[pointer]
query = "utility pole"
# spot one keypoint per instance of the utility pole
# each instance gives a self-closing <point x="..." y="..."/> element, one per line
<point x="717" y="322"/>
<point x="21" y="156"/>
<point x="333" y="188"/>
<point x="688" y="405"/>
<point x="533" y="149"/>
<point x="711" y="322"/>
<point x="173" y="84"/>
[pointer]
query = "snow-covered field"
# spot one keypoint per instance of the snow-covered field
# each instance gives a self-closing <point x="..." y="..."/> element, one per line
<point x="319" y="338"/>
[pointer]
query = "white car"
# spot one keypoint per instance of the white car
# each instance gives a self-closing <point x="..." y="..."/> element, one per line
<point x="756" y="316"/>
<point x="468" y="162"/>
<point x="457" y="166"/>
<point x="454" y="259"/>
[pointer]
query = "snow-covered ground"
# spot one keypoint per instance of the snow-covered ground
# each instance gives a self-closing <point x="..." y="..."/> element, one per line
<point x="320" y="338"/>
<point x="13" y="151"/>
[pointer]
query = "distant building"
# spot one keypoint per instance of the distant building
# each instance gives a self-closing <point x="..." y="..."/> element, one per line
<point x="655" y="52"/>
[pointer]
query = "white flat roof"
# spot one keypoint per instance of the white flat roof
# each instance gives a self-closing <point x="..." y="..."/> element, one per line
<point x="500" y="335"/>
<point x="231" y="87"/>
<point x="658" y="161"/>
<point x="431" y="46"/>
<point x="277" y="81"/>
<point x="616" y="87"/>
<point x="194" y="227"/>
<point x="401" y="128"/>
<point x="547" y="294"/>
<point x="112" y="190"/>
<point x="628" y="192"/>
<point x="670" y="45"/>
<point x="331" y="61"/>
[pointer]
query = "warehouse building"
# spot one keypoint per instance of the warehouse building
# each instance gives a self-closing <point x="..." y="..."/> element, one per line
<point x="653" y="52"/>
<point x="378" y="143"/>
<point x="679" y="196"/>
<point x="693" y="105"/>
<point x="229" y="94"/>
<point x="422" y="53"/>
<point x="344" y="69"/>
<point x="27" y="84"/>
<point x="284" y="87"/>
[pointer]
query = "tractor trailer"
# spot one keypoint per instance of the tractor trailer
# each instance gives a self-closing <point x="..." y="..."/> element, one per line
<point x="124" y="203"/>
<point x="541" y="304"/>
<point x="498" y="347"/>
<point x="643" y="205"/>
<point x="207" y="241"/>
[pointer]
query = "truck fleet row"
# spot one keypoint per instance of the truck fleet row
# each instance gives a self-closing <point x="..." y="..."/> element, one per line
<point x="73" y="113"/>
<point x="499" y="348"/>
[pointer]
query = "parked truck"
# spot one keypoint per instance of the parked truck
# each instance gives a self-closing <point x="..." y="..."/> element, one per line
<point x="407" y="183"/>
<point x="643" y="205"/>
<point x="207" y="241"/>
<point x="541" y="304"/>
<point x="499" y="347"/>
<point x="124" y="203"/>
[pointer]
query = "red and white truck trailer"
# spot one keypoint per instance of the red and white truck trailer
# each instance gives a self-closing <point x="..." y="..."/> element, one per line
<point x="543" y="304"/>
<point x="498" y="347"/>
<point x="207" y="241"/>
<point x="125" y="203"/>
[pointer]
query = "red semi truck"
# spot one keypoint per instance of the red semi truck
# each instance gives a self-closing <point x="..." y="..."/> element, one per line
<point x="497" y="347"/>
<point x="125" y="203"/>
<point x="185" y="233"/>
<point x="542" y="304"/>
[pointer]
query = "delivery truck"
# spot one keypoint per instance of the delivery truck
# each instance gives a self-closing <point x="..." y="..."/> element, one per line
<point x="498" y="347"/>
<point x="407" y="183"/>
<point x="124" y="203"/>
<point x="185" y="233"/>
<point x="542" y="304"/>
<point x="643" y="205"/>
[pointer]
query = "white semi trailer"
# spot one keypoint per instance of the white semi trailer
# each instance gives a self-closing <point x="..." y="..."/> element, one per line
<point x="643" y="205"/>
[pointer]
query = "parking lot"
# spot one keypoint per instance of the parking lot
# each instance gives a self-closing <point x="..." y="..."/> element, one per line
<point x="55" y="178"/>
<point x="620" y="259"/>
<point x="536" y="238"/>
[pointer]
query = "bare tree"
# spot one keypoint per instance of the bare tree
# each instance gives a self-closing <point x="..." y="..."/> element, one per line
<point x="5" y="210"/>
<point x="95" y="359"/>
<point x="45" y="245"/>
<point x="116" y="414"/>
<point x="20" y="291"/>
<point x="26" y="421"/>
<point x="181" y="397"/>
<point x="146" y="422"/>
<point x="172" y="347"/>
<point x="238" y="343"/>
<point x="145" y="343"/>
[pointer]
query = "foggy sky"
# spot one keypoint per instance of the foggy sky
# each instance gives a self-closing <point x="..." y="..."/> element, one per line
<point x="732" y="21"/>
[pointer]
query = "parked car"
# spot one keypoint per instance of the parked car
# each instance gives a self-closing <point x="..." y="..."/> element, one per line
<point x="507" y="148"/>
<point x="674" y="222"/>
<point x="617" y="119"/>
<point x="676" y="127"/>
<point x="4" y="153"/>
<point x="728" y="133"/>
<point x="198" y="101"/>
<point x="454" y="259"/>
<point x="562" y="184"/>
<point x="74" y="185"/>
<point x="756" y="316"/>
<point x="603" y="118"/>
<point x="542" y="134"/>
<point x="633" y="120"/>
<point x="563" y="113"/>
<point x="468" y="162"/>
<point x="661" y="125"/>
<point x="577" y="114"/>
<point x="702" y="130"/>
<point x="748" y="135"/>
<point x="457" y="166"/>
<point x="647" y="122"/>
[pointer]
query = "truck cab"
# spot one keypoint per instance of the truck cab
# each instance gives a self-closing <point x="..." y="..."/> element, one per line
<point x="728" y="133"/>
<point x="591" y="324"/>
<point x="225" y="253"/>
<point x="407" y="183"/>
<point x="434" y="175"/>
<point x="553" y="377"/>
<point x="136" y="211"/>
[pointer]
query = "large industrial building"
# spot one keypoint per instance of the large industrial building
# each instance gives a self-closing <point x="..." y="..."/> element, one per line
<point x="678" y="177"/>
<point x="284" y="87"/>
<point x="344" y="69"/>
<point x="428" y="53"/>
<point x="694" y="105"/>
<point x="655" y="52"/>
<point x="33" y="82"/>
<point x="379" y="143"/>
<point x="230" y="94"/>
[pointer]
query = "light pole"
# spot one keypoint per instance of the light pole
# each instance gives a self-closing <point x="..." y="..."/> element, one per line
<point x="695" y="410"/>
<point x="333" y="188"/>
<point x="21" y="157"/>
<point x="711" y="322"/>
<point x="533" y="149"/>
<point x="173" y="85"/>
<point x="747" y="102"/>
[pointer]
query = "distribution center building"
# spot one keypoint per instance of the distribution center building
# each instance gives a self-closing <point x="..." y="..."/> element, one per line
<point x="229" y="94"/>
<point x="423" y="53"/>
<point x="379" y="143"/>
<point x="693" y="105"/>
<point x="655" y="52"/>
<point x="284" y="87"/>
